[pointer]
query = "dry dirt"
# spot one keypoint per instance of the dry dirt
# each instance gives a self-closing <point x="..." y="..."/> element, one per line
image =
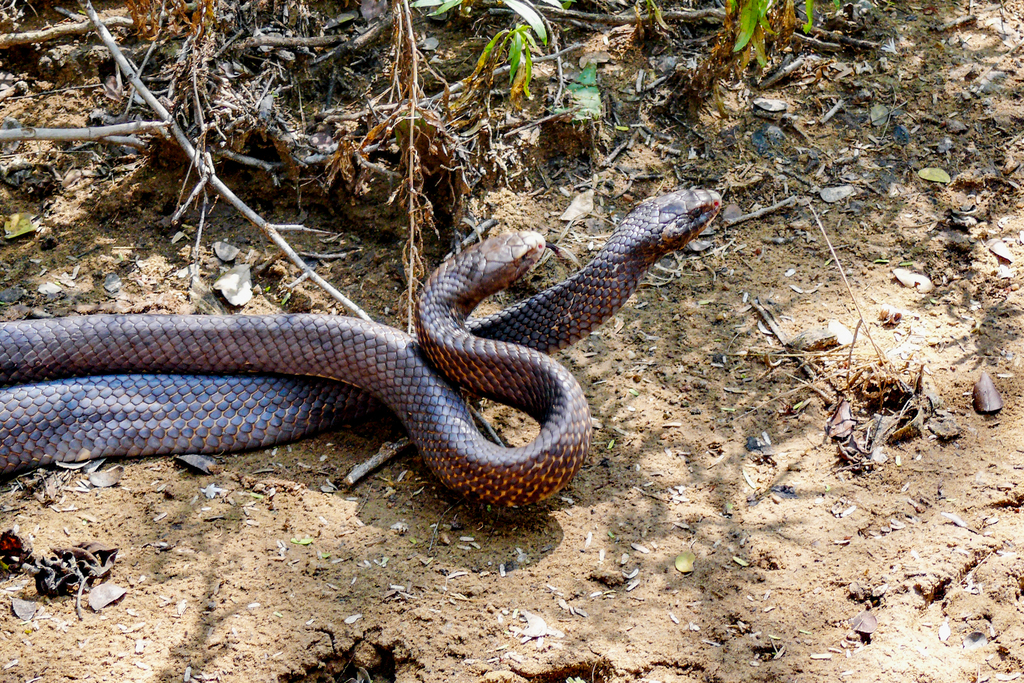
<point x="280" y="578"/>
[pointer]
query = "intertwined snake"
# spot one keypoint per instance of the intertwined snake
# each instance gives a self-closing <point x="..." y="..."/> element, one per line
<point x="198" y="394"/>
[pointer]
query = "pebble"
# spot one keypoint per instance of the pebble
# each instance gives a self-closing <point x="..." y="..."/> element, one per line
<point x="11" y="294"/>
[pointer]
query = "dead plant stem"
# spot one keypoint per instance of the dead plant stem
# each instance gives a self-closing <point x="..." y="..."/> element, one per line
<point x="842" y="273"/>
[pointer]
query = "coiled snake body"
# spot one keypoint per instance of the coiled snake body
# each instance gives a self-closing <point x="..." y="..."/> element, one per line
<point x="185" y="407"/>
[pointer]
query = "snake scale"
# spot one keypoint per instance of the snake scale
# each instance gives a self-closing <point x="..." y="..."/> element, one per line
<point x="74" y="388"/>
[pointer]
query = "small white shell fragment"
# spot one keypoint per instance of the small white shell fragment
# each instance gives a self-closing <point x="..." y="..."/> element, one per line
<point x="535" y="625"/>
<point x="955" y="519"/>
<point x="999" y="248"/>
<point x="353" y="619"/>
<point x="842" y="332"/>
<point x="944" y="631"/>
<point x="831" y="195"/>
<point x="236" y="285"/>
<point x="49" y="288"/>
<point x="909" y="278"/>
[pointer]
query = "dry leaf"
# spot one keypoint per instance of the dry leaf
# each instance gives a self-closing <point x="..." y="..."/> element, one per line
<point x="581" y="206"/>
<point x="105" y="595"/>
<point x="24" y="609"/>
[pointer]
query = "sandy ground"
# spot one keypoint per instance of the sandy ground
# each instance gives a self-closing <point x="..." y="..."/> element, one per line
<point x="288" y="575"/>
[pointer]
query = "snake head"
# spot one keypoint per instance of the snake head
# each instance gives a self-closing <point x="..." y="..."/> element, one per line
<point x="668" y="222"/>
<point x="491" y="266"/>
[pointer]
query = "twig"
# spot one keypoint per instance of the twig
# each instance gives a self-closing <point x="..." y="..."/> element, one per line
<point x="203" y="179"/>
<point x="222" y="189"/>
<point x="275" y="40"/>
<point x="843" y="40"/>
<point x="246" y="160"/>
<point x="404" y="23"/>
<point x="487" y="426"/>
<point x="59" y="31"/>
<point x="788" y="201"/>
<point x="88" y="133"/>
<point x="832" y="112"/>
<point x="330" y="257"/>
<point x="360" y="42"/>
<point x="385" y="453"/>
<point x="842" y="273"/>
<point x="126" y="140"/>
<point x="476" y="233"/>
<point x="956" y="23"/>
<point x="782" y="73"/>
<point x="433" y="536"/>
<point x="288" y="227"/>
<point x="820" y="45"/>
<point x="712" y="15"/>
<point x="199" y="240"/>
<point x="542" y="120"/>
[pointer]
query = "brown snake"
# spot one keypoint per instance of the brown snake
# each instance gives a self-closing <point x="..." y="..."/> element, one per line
<point x="186" y="408"/>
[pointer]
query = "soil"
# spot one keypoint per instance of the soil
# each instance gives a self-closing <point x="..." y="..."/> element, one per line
<point x="289" y="575"/>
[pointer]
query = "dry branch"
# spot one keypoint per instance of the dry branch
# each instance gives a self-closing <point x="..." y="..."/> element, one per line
<point x="788" y="201"/>
<point x="88" y="133"/>
<point x="59" y="31"/>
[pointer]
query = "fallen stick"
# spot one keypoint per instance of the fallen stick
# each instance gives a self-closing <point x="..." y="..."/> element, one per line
<point x="273" y="40"/>
<point x="223" y="190"/>
<point x="788" y="201"/>
<point x="59" y="31"/>
<point x="88" y="133"/>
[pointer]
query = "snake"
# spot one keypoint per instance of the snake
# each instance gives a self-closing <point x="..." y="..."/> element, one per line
<point x="94" y="386"/>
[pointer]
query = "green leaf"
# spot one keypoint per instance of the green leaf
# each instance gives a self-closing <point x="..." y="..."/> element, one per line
<point x="936" y="175"/>
<point x="748" y="22"/>
<point x="527" y="70"/>
<point x="588" y="76"/>
<point x="809" y="8"/>
<point x="18" y="224"/>
<point x="302" y="541"/>
<point x="586" y="97"/>
<point x="740" y="561"/>
<point x="515" y="51"/>
<point x="445" y="6"/>
<point x="684" y="562"/>
<point x="531" y="17"/>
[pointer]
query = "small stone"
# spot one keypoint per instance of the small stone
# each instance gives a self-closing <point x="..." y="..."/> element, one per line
<point x="954" y="126"/>
<point x="769" y="108"/>
<point x="986" y="397"/>
<point x="945" y="427"/>
<point x="225" y="252"/>
<point x="112" y="283"/>
<point x="607" y="576"/>
<point x="11" y="294"/>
